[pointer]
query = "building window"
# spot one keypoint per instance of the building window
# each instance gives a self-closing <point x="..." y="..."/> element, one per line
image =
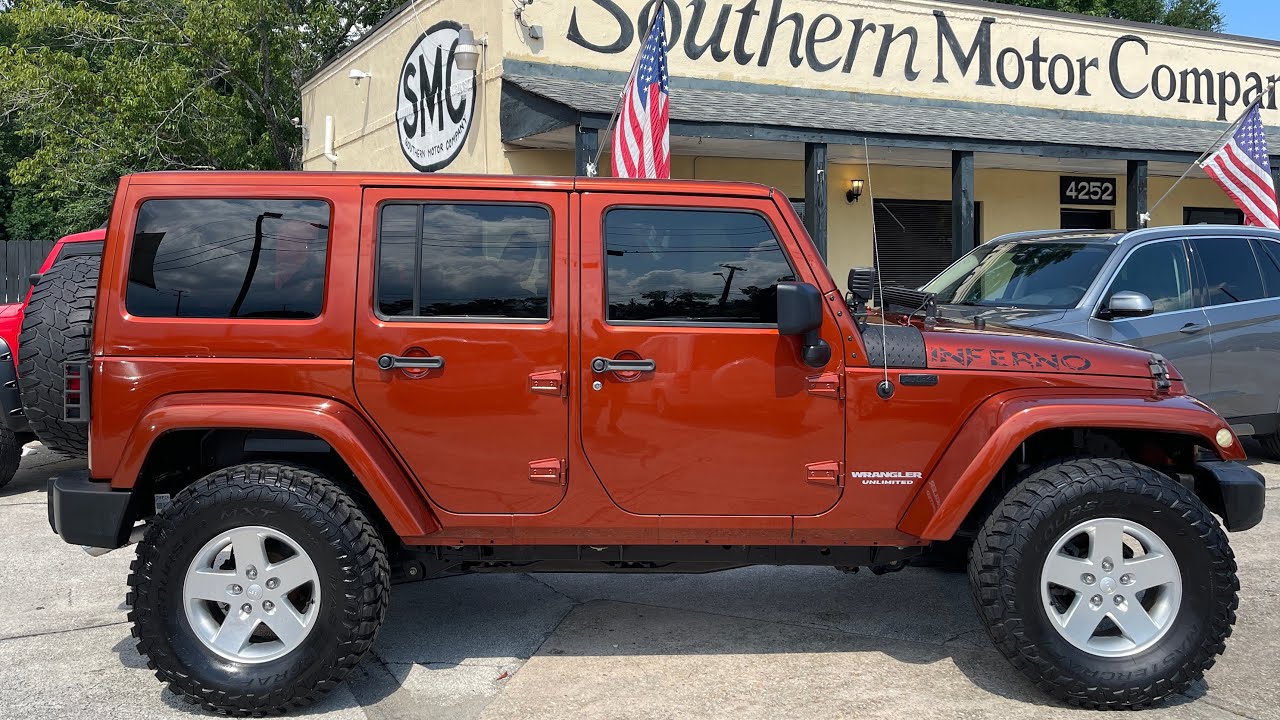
<point x="464" y="260"/>
<point x="229" y="258"/>
<point x="1078" y="219"/>
<point x="915" y="239"/>
<point x="1212" y="216"/>
<point x="701" y="266"/>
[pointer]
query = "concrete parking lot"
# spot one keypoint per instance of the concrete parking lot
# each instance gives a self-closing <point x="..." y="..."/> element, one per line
<point x="751" y="643"/>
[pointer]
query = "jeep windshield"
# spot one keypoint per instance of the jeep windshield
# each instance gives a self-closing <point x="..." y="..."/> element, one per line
<point x="1031" y="274"/>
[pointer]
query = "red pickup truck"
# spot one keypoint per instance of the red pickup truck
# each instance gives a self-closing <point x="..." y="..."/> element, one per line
<point x="301" y="387"/>
<point x="15" y="428"/>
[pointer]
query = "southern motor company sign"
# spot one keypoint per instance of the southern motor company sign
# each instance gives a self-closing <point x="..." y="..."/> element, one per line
<point x="951" y="51"/>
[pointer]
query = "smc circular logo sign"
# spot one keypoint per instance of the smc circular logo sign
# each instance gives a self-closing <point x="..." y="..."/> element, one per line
<point x="436" y="99"/>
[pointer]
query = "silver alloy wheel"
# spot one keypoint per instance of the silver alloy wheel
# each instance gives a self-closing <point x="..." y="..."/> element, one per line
<point x="252" y="594"/>
<point x="1111" y="587"/>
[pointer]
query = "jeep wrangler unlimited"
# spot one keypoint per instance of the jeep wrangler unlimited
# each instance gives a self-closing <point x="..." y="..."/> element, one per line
<point x="301" y="388"/>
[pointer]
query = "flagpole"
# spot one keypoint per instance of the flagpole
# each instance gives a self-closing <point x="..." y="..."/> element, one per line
<point x="593" y="167"/>
<point x="1145" y="218"/>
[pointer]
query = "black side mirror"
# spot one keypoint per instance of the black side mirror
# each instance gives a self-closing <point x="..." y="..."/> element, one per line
<point x="800" y="313"/>
<point x="1127" y="304"/>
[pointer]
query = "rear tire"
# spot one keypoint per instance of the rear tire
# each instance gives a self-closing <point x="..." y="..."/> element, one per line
<point x="1145" y="593"/>
<point x="10" y="455"/>
<point x="258" y="589"/>
<point x="57" y="327"/>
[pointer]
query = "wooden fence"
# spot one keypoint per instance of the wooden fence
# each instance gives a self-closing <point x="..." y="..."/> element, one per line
<point x="18" y="259"/>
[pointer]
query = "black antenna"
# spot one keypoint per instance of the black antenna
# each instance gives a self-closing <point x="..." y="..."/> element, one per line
<point x="885" y="388"/>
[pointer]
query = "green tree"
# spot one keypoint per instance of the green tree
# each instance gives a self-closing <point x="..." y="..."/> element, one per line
<point x="1195" y="14"/>
<point x="96" y="89"/>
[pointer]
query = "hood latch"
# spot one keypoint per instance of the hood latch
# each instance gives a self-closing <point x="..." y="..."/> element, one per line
<point x="1160" y="372"/>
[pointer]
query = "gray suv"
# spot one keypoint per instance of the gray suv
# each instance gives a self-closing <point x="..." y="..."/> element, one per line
<point x="1206" y="297"/>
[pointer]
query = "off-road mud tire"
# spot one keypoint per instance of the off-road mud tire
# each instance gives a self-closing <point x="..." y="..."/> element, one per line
<point x="57" y="327"/>
<point x="10" y="455"/>
<point x="1271" y="444"/>
<point x="347" y="551"/>
<point x="1005" y="566"/>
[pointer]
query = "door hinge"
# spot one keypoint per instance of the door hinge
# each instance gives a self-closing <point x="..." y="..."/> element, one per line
<point x="825" y="473"/>
<point x="548" y="472"/>
<point x="548" y="382"/>
<point x="828" y="384"/>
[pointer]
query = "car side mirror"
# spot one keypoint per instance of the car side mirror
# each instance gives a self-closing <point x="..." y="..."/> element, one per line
<point x="1127" y="304"/>
<point x="800" y="313"/>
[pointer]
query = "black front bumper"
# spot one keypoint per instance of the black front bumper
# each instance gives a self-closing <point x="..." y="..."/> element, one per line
<point x="1235" y="492"/>
<point x="88" y="512"/>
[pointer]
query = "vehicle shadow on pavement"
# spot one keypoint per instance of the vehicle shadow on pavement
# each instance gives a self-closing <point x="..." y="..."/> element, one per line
<point x="452" y="645"/>
<point x="38" y="465"/>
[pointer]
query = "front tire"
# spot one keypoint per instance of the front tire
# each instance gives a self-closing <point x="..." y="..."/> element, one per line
<point x="1107" y="583"/>
<point x="258" y="589"/>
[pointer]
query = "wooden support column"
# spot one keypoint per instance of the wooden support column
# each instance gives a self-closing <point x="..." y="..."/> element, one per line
<point x="815" y="194"/>
<point x="1136" y="193"/>
<point x="586" y="145"/>
<point x="964" y="231"/>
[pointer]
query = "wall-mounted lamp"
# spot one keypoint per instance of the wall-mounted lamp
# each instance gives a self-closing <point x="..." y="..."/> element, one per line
<point x="357" y="75"/>
<point x="854" y="192"/>
<point x="467" y="54"/>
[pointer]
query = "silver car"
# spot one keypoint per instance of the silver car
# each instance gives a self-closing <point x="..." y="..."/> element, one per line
<point x="1206" y="297"/>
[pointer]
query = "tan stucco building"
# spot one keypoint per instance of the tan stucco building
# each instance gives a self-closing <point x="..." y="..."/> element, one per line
<point x="978" y="119"/>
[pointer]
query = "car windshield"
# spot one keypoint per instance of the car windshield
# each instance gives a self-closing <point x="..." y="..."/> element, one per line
<point x="1050" y="275"/>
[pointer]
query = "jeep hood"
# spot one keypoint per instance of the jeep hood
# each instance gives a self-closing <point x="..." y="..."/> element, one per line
<point x="1021" y="317"/>
<point x="951" y="344"/>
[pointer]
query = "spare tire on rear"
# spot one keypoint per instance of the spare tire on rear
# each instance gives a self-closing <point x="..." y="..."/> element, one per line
<point x="57" y="327"/>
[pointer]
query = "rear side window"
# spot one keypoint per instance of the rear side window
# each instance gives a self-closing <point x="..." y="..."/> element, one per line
<point x="229" y="258"/>
<point x="703" y="266"/>
<point x="1160" y="272"/>
<point x="1230" y="270"/>
<point x="1269" y="259"/>
<point x="464" y="261"/>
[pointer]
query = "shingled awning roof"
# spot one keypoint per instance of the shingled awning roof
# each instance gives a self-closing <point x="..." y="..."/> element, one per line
<point x="779" y="113"/>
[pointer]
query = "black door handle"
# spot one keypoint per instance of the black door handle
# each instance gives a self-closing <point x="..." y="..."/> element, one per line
<point x="605" y="365"/>
<point x="388" y="361"/>
<point x="1191" y="328"/>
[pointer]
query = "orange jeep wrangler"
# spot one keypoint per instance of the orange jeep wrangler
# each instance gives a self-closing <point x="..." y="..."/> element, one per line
<point x="301" y="388"/>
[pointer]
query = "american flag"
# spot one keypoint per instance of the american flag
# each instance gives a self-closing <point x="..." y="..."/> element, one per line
<point x="1243" y="168"/>
<point x="641" y="141"/>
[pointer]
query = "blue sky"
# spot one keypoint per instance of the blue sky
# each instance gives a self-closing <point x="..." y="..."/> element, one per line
<point x="1255" y="18"/>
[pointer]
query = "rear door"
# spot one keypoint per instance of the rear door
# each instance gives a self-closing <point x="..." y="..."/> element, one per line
<point x="710" y="411"/>
<point x="1178" y="329"/>
<point x="462" y="341"/>
<point x="1244" y="318"/>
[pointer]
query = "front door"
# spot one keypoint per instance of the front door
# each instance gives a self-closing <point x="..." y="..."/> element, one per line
<point x="692" y="404"/>
<point x="1177" y="329"/>
<point x="462" y="342"/>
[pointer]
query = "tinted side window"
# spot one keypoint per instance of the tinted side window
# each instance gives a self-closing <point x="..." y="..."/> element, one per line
<point x="1230" y="271"/>
<point x="464" y="260"/>
<point x="1160" y="272"/>
<point x="229" y="258"/>
<point x="1269" y="259"/>
<point x="692" y="265"/>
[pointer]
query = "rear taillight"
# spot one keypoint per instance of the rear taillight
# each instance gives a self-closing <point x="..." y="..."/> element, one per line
<point x="75" y="392"/>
